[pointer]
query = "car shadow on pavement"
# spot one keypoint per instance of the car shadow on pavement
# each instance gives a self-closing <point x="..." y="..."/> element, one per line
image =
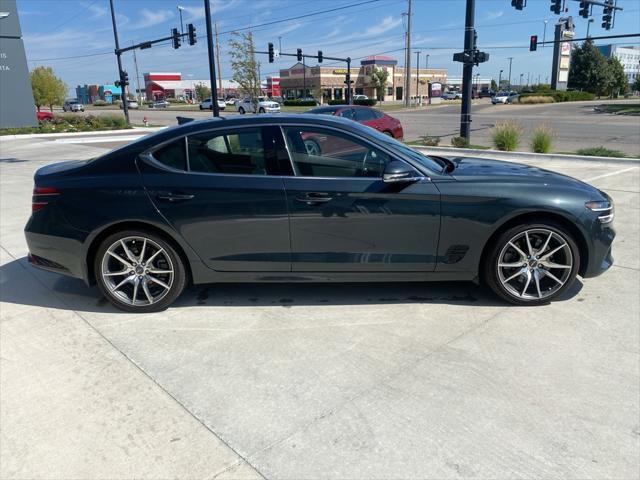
<point x="22" y="284"/>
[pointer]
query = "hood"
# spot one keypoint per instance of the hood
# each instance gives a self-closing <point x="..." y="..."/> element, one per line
<point x="470" y="168"/>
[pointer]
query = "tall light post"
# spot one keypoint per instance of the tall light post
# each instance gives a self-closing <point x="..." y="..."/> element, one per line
<point x="417" y="78"/>
<point x="125" y="104"/>
<point x="520" y="82"/>
<point x="279" y="43"/>
<point x="212" y="58"/>
<point x="544" y="35"/>
<point x="588" y="25"/>
<point x="510" y="61"/>
<point x="180" y="8"/>
<point x="500" y="79"/>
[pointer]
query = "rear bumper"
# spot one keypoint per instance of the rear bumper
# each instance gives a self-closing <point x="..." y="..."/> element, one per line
<point x="56" y="254"/>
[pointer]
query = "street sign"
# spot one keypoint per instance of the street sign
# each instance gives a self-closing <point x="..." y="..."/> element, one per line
<point x="276" y="53"/>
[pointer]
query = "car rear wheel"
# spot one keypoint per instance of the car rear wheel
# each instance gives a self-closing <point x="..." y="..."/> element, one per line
<point x="241" y="111"/>
<point x="261" y="110"/>
<point x="313" y="148"/>
<point x="139" y="271"/>
<point x="387" y="132"/>
<point x="532" y="264"/>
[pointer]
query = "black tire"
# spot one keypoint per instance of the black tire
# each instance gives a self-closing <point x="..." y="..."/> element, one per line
<point x="490" y="269"/>
<point x="179" y="273"/>
<point x="241" y="110"/>
<point x="201" y="108"/>
<point x="261" y="110"/>
<point x="388" y="133"/>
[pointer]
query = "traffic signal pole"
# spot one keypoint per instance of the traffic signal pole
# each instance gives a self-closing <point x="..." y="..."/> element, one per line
<point x="125" y="105"/>
<point x="467" y="71"/>
<point x="212" y="65"/>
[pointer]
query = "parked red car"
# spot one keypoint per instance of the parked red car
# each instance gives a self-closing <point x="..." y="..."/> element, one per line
<point x="44" y="116"/>
<point x="366" y="115"/>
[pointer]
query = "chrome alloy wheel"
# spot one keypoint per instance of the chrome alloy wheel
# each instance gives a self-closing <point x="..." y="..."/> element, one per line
<point x="137" y="271"/>
<point x="535" y="264"/>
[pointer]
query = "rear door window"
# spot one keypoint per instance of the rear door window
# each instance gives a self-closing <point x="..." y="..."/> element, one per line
<point x="364" y="115"/>
<point x="172" y="155"/>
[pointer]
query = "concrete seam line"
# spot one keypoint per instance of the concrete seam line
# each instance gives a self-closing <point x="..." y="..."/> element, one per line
<point x="402" y="368"/>
<point x="610" y="174"/>
<point x="140" y="369"/>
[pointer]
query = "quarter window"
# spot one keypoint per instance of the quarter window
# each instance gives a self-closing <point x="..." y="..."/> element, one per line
<point x="318" y="152"/>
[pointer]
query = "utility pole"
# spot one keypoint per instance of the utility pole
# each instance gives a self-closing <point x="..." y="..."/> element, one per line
<point x="467" y="70"/>
<point x="135" y="62"/>
<point x="125" y="106"/>
<point x="407" y="66"/>
<point x="304" y="79"/>
<point x="510" y="61"/>
<point x="212" y="60"/>
<point x="417" y="79"/>
<point x="218" y="59"/>
<point x="499" y="80"/>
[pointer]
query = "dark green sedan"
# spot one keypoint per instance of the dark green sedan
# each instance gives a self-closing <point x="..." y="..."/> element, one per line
<point x="310" y="198"/>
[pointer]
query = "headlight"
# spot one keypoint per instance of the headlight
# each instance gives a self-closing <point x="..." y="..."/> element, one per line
<point x="604" y="208"/>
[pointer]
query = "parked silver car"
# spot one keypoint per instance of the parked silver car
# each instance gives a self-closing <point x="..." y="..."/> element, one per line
<point x="72" y="105"/>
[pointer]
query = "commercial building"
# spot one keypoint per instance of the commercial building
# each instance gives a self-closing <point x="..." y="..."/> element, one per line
<point x="161" y="85"/>
<point x="629" y="57"/>
<point x="87" y="94"/>
<point x="300" y="81"/>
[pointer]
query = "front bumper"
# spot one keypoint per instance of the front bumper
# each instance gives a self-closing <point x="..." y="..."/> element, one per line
<point x="600" y="255"/>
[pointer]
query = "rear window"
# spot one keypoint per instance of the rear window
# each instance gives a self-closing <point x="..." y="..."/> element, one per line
<point x="173" y="155"/>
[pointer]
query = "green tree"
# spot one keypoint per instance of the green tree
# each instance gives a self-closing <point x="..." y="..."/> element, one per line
<point x="616" y="78"/>
<point x="244" y="64"/>
<point x="494" y="85"/>
<point x="202" y="91"/>
<point x="47" y="88"/>
<point x="379" y="78"/>
<point x="636" y="84"/>
<point x="588" y="71"/>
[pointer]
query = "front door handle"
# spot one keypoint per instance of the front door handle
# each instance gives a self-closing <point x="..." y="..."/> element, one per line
<point x="174" y="197"/>
<point x="313" y="198"/>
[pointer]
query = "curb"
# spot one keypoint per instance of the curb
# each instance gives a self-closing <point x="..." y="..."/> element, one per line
<point x="516" y="156"/>
<point x="130" y="131"/>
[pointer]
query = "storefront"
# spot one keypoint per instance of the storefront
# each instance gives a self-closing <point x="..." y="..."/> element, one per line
<point x="161" y="85"/>
<point x="329" y="82"/>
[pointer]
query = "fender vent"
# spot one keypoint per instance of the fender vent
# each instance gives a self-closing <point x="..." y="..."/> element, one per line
<point x="455" y="253"/>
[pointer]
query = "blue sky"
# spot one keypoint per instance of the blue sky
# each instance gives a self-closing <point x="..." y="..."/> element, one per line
<point x="55" y="29"/>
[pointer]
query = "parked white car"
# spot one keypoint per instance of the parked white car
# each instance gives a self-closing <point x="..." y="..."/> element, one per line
<point x="505" y="97"/>
<point x="206" y="104"/>
<point x="360" y="97"/>
<point x="260" y="105"/>
<point x="72" y="105"/>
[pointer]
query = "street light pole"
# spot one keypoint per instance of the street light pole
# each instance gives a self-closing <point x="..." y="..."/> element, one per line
<point x="588" y="25"/>
<point x="212" y="60"/>
<point x="417" y="78"/>
<point x="467" y="70"/>
<point x="125" y="106"/>
<point x="180" y="8"/>
<point x="279" y="43"/>
<point x="544" y="35"/>
<point x="510" y="61"/>
<point x="500" y="79"/>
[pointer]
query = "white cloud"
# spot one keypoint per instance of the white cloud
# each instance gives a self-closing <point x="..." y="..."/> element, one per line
<point x="96" y="10"/>
<point x="217" y="6"/>
<point x="150" y="18"/>
<point x="388" y="23"/>
<point x="494" y="15"/>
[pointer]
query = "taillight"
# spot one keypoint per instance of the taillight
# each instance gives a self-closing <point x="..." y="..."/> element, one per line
<point x="41" y="197"/>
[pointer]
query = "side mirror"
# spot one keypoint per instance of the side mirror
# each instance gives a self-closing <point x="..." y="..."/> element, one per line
<point x="400" y="172"/>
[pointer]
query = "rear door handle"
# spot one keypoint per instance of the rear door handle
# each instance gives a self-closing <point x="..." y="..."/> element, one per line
<point x="174" y="197"/>
<point x="313" y="198"/>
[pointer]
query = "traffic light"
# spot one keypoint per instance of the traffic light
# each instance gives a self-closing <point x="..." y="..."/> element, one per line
<point x="299" y="54"/>
<point x="584" y="9"/>
<point x="556" y="6"/>
<point x="124" y="78"/>
<point x="117" y="83"/>
<point x="191" y="31"/>
<point x="176" y="38"/>
<point x="270" y="52"/>
<point x="319" y="56"/>
<point x="533" y="43"/>
<point x="607" y="15"/>
<point x="518" y="4"/>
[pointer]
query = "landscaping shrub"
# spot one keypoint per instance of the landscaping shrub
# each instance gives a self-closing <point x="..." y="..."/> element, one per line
<point x="560" y="96"/>
<point x="506" y="136"/>
<point x="100" y="103"/>
<point x="430" y="140"/>
<point x="370" y="102"/>
<point x="536" y="99"/>
<point x="600" y="152"/>
<point x="300" y="103"/>
<point x="542" y="139"/>
<point x="460" y="142"/>
<point x="72" y="123"/>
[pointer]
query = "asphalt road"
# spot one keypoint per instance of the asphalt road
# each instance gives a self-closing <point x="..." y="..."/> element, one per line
<point x="575" y="124"/>
<point x="333" y="381"/>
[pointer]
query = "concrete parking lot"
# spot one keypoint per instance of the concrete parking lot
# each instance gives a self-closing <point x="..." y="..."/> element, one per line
<point x="334" y="381"/>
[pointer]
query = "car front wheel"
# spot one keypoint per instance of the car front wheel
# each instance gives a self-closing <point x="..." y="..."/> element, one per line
<point x="532" y="264"/>
<point x="139" y="271"/>
<point x="261" y="110"/>
<point x="241" y="111"/>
